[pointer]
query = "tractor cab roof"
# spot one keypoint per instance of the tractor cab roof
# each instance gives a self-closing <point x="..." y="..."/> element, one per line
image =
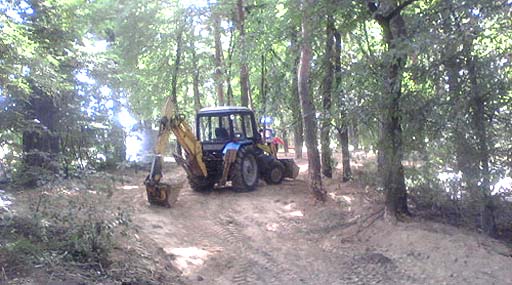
<point x="223" y="110"/>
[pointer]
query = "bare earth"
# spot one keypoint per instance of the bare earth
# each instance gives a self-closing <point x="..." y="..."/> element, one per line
<point x="277" y="235"/>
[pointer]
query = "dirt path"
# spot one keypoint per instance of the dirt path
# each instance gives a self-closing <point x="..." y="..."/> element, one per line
<point x="276" y="235"/>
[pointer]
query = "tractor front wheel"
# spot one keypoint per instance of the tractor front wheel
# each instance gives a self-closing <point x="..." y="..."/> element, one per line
<point x="244" y="177"/>
<point x="275" y="173"/>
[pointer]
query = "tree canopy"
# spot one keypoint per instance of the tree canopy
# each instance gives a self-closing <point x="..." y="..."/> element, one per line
<point x="425" y="84"/>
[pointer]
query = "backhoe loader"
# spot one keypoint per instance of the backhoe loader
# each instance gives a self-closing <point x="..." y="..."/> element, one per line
<point x="227" y="147"/>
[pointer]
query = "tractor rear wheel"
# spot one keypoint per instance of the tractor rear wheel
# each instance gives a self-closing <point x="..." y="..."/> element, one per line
<point x="275" y="173"/>
<point x="244" y="175"/>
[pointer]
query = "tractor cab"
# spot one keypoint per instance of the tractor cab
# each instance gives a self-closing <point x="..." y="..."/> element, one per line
<point x="233" y="150"/>
<point x="218" y="126"/>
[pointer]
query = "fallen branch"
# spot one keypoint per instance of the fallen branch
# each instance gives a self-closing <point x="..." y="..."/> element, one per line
<point x="366" y="222"/>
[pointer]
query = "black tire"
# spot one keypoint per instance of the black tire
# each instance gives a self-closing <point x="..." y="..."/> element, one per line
<point x="200" y="183"/>
<point x="275" y="173"/>
<point x="244" y="174"/>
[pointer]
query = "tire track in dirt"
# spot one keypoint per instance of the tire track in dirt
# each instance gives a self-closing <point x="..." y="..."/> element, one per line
<point x="252" y="263"/>
<point x="257" y="238"/>
<point x="252" y="259"/>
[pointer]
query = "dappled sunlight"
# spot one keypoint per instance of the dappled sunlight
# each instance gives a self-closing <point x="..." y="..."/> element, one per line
<point x="344" y="200"/>
<point x="289" y="206"/>
<point x="347" y="199"/>
<point x="291" y="211"/>
<point x="504" y="185"/>
<point x="73" y="191"/>
<point x="5" y="201"/>
<point x="272" y="227"/>
<point x="134" y="146"/>
<point x="295" y="214"/>
<point x="169" y="159"/>
<point x="303" y="165"/>
<point x="128" y="187"/>
<point x="188" y="259"/>
<point x="504" y="188"/>
<point x="449" y="178"/>
<point x="3" y="151"/>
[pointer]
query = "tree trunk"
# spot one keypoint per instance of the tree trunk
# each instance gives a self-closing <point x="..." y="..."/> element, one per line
<point x="44" y="139"/>
<point x="308" y="108"/>
<point x="195" y="77"/>
<point x="345" y="154"/>
<point x="325" y="137"/>
<point x="148" y="140"/>
<point x="219" y="59"/>
<point x="263" y="90"/>
<point x="228" y="69"/>
<point x="463" y="150"/>
<point x="41" y="144"/>
<point x="285" y="140"/>
<point x="342" y="128"/>
<point x="244" y="70"/>
<point x="479" y="120"/>
<point x="174" y="79"/>
<point x="353" y="134"/>
<point x="470" y="136"/>
<point x="465" y="153"/>
<point x="391" y="170"/>
<point x="298" y="132"/>
<point x="118" y="134"/>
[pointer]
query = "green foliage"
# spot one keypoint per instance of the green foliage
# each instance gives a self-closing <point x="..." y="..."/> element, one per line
<point x="64" y="224"/>
<point x="76" y="227"/>
<point x="45" y="45"/>
<point x="46" y="48"/>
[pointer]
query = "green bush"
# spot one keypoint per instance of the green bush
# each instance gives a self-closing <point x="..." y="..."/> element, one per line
<point x="71" y="223"/>
<point x="78" y="223"/>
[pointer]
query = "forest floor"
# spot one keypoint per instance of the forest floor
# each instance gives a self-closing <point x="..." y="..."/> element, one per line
<point x="278" y="235"/>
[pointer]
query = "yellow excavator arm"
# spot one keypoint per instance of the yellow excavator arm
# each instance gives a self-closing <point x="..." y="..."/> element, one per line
<point x="161" y="193"/>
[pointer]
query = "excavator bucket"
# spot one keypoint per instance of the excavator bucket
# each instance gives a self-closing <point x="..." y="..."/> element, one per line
<point x="162" y="194"/>
<point x="291" y="170"/>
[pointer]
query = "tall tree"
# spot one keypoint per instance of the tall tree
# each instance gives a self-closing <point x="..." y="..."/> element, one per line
<point x="479" y="123"/>
<point x="231" y="49"/>
<point x="219" y="57"/>
<point x="195" y="73"/>
<point x="41" y="144"/>
<point x="306" y="100"/>
<point x="471" y="113"/>
<point x="298" y="130"/>
<point x="175" y="73"/>
<point x="325" y="131"/>
<point x="50" y="81"/>
<point x="244" y="69"/>
<point x="388" y="15"/>
<point x="117" y="133"/>
<point x="341" y="122"/>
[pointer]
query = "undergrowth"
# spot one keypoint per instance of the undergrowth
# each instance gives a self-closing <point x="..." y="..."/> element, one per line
<point x="443" y="201"/>
<point x="71" y="224"/>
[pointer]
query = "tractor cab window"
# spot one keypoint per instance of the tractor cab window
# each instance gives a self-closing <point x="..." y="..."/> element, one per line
<point x="242" y="126"/>
<point x="214" y="129"/>
<point x="248" y="126"/>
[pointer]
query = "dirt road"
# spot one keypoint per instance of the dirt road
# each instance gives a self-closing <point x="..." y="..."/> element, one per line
<point x="276" y="235"/>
